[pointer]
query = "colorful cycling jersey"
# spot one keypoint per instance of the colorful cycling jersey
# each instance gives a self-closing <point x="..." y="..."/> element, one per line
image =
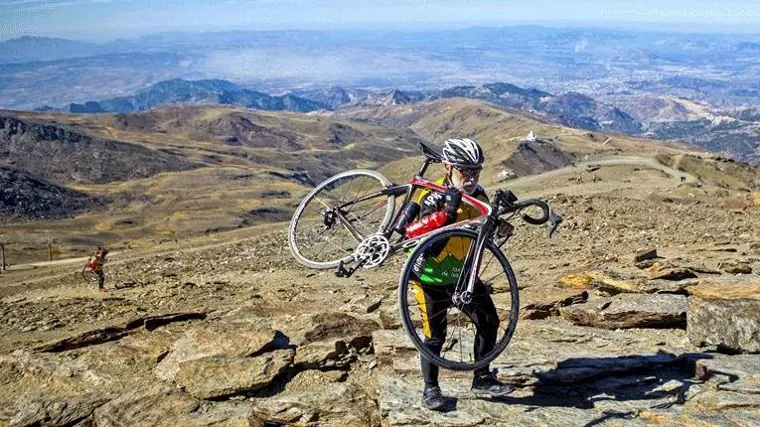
<point x="443" y="262"/>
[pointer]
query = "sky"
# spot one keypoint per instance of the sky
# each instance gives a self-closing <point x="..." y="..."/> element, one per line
<point x="100" y="20"/>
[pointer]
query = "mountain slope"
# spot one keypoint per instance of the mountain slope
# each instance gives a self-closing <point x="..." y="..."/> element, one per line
<point x="63" y="155"/>
<point x="181" y="171"/>
<point x="503" y="133"/>
<point x="23" y="197"/>
<point x="246" y="168"/>
<point x="569" y="109"/>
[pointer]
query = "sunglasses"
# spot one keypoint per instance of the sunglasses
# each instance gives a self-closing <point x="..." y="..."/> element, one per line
<point x="469" y="173"/>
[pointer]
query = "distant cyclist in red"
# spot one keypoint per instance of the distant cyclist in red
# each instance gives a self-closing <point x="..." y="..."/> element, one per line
<point x="96" y="264"/>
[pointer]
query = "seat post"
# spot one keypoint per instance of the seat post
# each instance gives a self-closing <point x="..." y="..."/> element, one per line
<point x="423" y="168"/>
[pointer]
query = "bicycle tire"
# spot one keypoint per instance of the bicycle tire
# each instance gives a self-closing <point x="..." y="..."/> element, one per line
<point x="545" y="212"/>
<point x="410" y="327"/>
<point x="89" y="275"/>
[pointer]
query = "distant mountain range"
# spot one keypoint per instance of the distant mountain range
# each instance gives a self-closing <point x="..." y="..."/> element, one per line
<point x="570" y="109"/>
<point x="732" y="131"/>
<point x="178" y="91"/>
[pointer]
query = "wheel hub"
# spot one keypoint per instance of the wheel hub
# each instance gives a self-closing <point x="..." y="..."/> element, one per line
<point x="328" y="218"/>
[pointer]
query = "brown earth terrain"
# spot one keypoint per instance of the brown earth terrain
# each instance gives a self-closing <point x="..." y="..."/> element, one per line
<point x="642" y="310"/>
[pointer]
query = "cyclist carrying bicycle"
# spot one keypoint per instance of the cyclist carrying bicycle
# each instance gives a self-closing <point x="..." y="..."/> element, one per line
<point x="437" y="271"/>
<point x="96" y="265"/>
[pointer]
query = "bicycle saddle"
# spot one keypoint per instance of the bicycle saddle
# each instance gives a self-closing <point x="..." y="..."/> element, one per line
<point x="430" y="152"/>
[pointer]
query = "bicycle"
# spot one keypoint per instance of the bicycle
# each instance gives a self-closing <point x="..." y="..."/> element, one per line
<point x="366" y="242"/>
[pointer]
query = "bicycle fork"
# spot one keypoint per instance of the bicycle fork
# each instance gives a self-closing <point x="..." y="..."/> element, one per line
<point x="472" y="265"/>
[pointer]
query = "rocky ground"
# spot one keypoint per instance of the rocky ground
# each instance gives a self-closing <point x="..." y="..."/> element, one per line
<point x="643" y="310"/>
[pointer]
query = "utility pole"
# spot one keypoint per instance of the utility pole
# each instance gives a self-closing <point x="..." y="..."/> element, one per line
<point x="50" y="249"/>
<point x="3" y="242"/>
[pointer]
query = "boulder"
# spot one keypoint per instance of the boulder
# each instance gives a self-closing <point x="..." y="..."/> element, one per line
<point x="726" y="315"/>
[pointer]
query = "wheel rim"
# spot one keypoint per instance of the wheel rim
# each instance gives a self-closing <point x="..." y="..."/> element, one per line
<point x="317" y="236"/>
<point x="458" y="350"/>
<point x="89" y="275"/>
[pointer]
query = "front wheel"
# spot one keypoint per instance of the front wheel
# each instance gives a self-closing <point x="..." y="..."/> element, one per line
<point x="447" y="332"/>
<point x="337" y="215"/>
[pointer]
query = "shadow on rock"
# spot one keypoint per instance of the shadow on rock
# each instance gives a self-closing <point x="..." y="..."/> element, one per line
<point x="655" y="381"/>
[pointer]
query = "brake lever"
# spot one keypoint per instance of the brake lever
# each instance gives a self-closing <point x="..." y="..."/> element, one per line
<point x="554" y="221"/>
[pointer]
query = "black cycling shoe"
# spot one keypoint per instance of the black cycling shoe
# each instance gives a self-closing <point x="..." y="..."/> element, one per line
<point x="433" y="398"/>
<point x="487" y="385"/>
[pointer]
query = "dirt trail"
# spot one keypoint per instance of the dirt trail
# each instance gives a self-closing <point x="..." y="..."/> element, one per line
<point x="27" y="275"/>
<point x="647" y="162"/>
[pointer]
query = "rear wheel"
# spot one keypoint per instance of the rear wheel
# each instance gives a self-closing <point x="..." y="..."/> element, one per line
<point x="88" y="275"/>
<point x="333" y="219"/>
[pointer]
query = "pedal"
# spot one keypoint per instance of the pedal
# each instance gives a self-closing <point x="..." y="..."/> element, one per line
<point x="554" y="222"/>
<point x="341" y="271"/>
<point x="348" y="272"/>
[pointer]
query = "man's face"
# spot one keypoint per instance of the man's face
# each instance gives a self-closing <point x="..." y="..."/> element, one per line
<point x="464" y="179"/>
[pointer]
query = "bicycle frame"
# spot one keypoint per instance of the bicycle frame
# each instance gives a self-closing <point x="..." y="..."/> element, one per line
<point x="407" y="190"/>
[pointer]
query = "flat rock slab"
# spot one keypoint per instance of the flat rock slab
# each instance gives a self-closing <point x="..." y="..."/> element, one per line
<point x="553" y="351"/>
<point x="215" y="339"/>
<point x="674" y="273"/>
<point x="742" y="372"/>
<point x="659" y="286"/>
<point x="540" y="302"/>
<point x="604" y="283"/>
<point x="165" y="406"/>
<point x="401" y="405"/>
<point x="63" y="385"/>
<point x="143" y="407"/>
<point x="220" y="376"/>
<point x="630" y="311"/>
<point x="115" y="332"/>
<point x="572" y="375"/>
<point x="395" y="351"/>
<point x="62" y="411"/>
<point x="332" y="404"/>
<point x="734" y="266"/>
<point x="334" y="353"/>
<point x="310" y="328"/>
<point x="726" y="315"/>
<point x="696" y="416"/>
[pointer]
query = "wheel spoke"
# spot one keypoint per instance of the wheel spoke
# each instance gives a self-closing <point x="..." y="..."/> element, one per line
<point x="368" y="230"/>
<point x="459" y="315"/>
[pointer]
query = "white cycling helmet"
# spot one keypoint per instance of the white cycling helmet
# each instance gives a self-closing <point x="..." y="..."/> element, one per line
<point x="463" y="153"/>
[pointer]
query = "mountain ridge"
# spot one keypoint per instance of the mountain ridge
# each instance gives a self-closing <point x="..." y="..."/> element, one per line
<point x="571" y="109"/>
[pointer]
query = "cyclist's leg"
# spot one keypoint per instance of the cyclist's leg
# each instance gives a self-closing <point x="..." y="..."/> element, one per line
<point x="482" y="312"/>
<point x="433" y="302"/>
<point x="101" y="279"/>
